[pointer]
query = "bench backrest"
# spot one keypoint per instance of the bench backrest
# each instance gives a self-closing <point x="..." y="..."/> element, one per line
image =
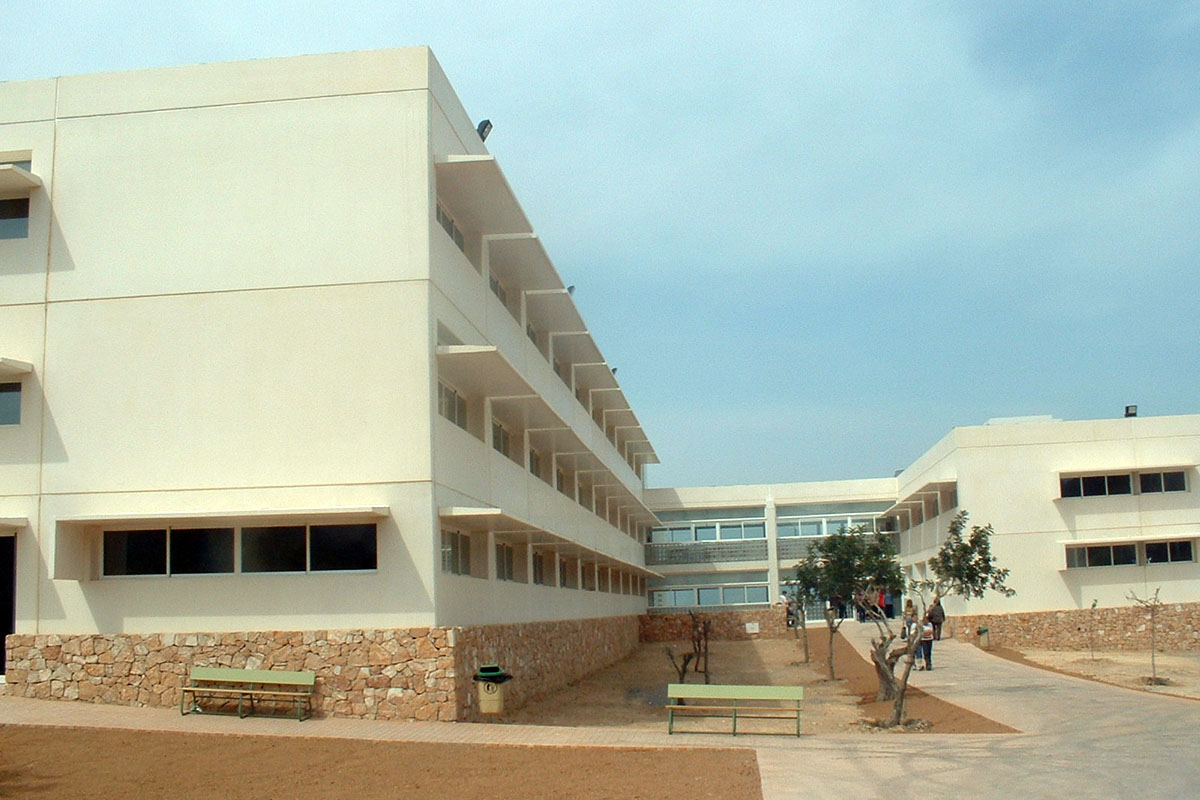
<point x="711" y="691"/>
<point x="271" y="676"/>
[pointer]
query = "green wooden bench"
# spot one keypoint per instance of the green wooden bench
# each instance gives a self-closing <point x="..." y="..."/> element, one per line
<point x="744" y="702"/>
<point x="247" y="686"/>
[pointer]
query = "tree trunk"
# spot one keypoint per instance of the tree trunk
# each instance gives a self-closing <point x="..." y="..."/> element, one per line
<point x="829" y="618"/>
<point x="804" y="630"/>
<point x="883" y="669"/>
<point x="910" y="657"/>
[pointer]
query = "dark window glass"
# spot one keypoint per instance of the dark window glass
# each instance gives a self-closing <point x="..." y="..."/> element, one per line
<point x="1150" y="482"/>
<point x="1124" y="554"/>
<point x="1181" y="551"/>
<point x="1173" y="482"/>
<point x="10" y="404"/>
<point x="1156" y="552"/>
<point x="1099" y="556"/>
<point x="1094" y="485"/>
<point x="201" y="551"/>
<point x="14" y="218"/>
<point x="1119" y="484"/>
<point x="1076" y="557"/>
<point x="342" y="547"/>
<point x="1071" y="487"/>
<point x="273" y="549"/>
<point x="135" y="552"/>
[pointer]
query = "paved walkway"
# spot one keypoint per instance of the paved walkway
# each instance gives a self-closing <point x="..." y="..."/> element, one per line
<point x="1080" y="739"/>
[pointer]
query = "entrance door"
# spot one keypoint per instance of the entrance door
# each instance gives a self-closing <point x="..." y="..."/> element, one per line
<point x="8" y="591"/>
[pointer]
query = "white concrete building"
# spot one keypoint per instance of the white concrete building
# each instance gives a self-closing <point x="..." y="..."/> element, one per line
<point x="1082" y="511"/>
<point x="282" y="351"/>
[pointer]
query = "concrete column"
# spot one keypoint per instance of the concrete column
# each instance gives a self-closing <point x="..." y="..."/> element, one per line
<point x="772" y="526"/>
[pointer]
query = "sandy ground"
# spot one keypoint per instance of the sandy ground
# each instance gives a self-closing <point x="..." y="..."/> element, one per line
<point x="92" y="764"/>
<point x="111" y="765"/>
<point x="1179" y="672"/>
<point x="632" y="693"/>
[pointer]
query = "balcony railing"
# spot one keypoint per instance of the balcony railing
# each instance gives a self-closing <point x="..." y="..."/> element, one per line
<point x="706" y="552"/>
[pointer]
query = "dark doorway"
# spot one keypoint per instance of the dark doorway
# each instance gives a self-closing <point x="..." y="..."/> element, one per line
<point x="8" y="592"/>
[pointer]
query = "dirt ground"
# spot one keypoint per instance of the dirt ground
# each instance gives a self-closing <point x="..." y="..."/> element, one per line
<point x="1179" y="673"/>
<point x="94" y="764"/>
<point x="632" y="693"/>
<point x="107" y="765"/>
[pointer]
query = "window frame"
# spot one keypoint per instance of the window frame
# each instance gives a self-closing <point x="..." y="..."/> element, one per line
<point x="17" y="388"/>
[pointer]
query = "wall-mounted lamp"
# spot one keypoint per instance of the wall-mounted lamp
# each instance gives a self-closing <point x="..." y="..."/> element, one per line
<point x="485" y="127"/>
<point x="1131" y="411"/>
<point x="571" y="289"/>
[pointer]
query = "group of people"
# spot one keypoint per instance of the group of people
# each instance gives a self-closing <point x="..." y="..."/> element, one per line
<point x="927" y="631"/>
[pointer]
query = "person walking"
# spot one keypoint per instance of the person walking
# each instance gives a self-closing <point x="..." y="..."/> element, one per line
<point x="937" y="616"/>
<point x="925" y="648"/>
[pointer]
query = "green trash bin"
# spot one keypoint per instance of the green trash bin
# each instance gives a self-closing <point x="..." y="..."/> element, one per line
<point x="985" y="638"/>
<point x="490" y="679"/>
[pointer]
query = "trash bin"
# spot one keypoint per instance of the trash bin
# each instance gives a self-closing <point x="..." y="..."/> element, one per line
<point x="491" y="679"/>
<point x="985" y="639"/>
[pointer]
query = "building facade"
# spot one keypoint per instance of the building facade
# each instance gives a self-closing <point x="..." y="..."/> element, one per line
<point x="282" y="352"/>
<point x="1082" y="511"/>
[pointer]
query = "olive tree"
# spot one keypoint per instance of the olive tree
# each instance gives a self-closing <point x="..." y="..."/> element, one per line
<point x="850" y="567"/>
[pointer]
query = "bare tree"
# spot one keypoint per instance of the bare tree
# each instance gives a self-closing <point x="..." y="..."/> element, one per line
<point x="1154" y="604"/>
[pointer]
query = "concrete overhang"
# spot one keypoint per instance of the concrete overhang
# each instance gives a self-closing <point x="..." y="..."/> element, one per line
<point x="553" y="310"/>
<point x="519" y="259"/>
<point x="481" y="370"/>
<point x="17" y="181"/>
<point x="11" y="368"/>
<point x="497" y="521"/>
<point x="13" y="524"/>
<point x="477" y="194"/>
<point x="260" y="516"/>
<point x="917" y="498"/>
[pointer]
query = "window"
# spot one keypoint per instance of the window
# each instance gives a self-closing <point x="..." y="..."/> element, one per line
<point x="1154" y="482"/>
<point x="275" y="549"/>
<point x="452" y="405"/>
<point x="706" y="533"/>
<point x="1096" y="485"/>
<point x="562" y="573"/>
<point x="505" y="562"/>
<point x="14" y="218"/>
<point x="756" y="594"/>
<point x="560" y="480"/>
<point x="709" y="597"/>
<point x="498" y="289"/>
<point x="342" y="547"/>
<point x="788" y="529"/>
<point x="535" y="463"/>
<point x="1102" y="555"/>
<point x="135" y="552"/>
<point x="1169" y="552"/>
<point x="10" y="404"/>
<point x="539" y="568"/>
<point x="447" y="222"/>
<point x="201" y="551"/>
<point x="531" y="332"/>
<point x="456" y="553"/>
<point x="210" y="551"/>
<point x="501" y="440"/>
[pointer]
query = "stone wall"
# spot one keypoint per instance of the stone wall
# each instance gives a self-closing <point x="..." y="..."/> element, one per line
<point x="387" y="674"/>
<point x="1123" y="628"/>
<point x="542" y="656"/>
<point x="415" y="673"/>
<point x="772" y="624"/>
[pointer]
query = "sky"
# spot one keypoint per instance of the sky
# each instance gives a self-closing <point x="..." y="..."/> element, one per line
<point x="812" y="237"/>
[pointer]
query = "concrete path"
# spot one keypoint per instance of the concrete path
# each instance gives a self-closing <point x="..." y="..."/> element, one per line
<point x="1080" y="739"/>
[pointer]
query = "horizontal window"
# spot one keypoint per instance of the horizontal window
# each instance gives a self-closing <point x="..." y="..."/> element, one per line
<point x="1128" y="553"/>
<point x="1167" y="552"/>
<point x="708" y="596"/>
<point x="1154" y="482"/>
<point x="249" y="550"/>
<point x="1122" y="483"/>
